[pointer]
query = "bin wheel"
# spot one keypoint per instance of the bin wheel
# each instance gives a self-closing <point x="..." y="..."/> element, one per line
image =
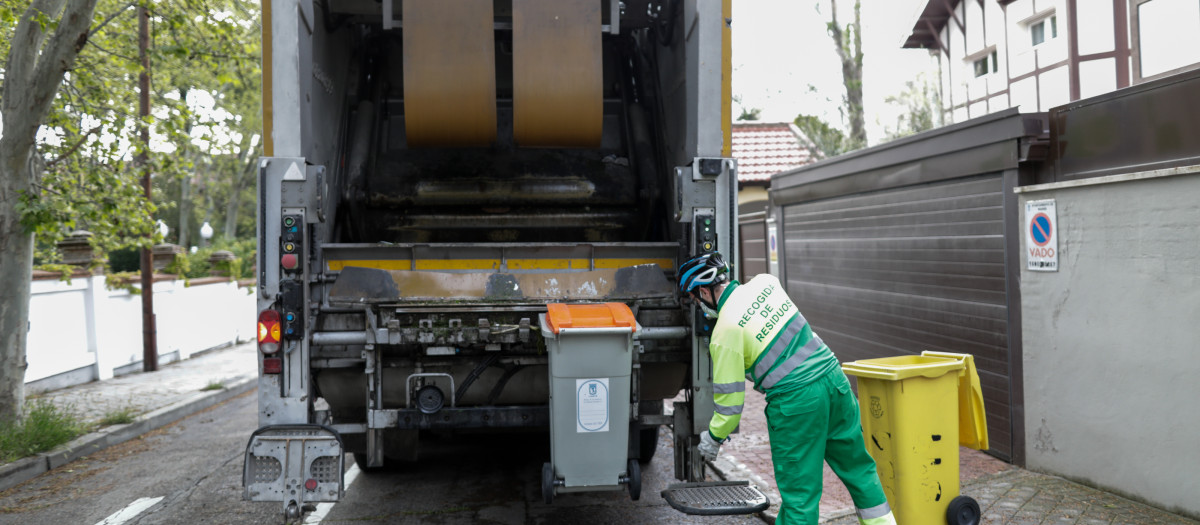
<point x="547" y="483"/>
<point x="963" y="510"/>
<point x="635" y="480"/>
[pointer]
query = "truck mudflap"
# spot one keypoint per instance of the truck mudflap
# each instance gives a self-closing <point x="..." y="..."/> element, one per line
<point x="296" y="464"/>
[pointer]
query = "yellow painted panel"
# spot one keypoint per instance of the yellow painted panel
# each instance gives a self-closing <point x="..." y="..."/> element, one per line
<point x="459" y="264"/>
<point x="666" y="264"/>
<point x="378" y="264"/>
<point x="548" y="264"/>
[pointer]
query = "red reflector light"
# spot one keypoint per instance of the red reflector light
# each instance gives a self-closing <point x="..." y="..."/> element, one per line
<point x="311" y="484"/>
<point x="272" y="365"/>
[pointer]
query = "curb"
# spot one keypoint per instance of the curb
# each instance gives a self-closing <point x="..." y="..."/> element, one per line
<point x="31" y="467"/>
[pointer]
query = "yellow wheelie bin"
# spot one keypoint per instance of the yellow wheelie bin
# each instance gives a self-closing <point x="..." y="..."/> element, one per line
<point x="916" y="410"/>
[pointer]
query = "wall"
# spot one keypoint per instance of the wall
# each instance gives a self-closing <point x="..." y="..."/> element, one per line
<point x="1110" y="340"/>
<point x="80" y="331"/>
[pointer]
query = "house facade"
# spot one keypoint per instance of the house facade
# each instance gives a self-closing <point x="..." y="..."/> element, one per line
<point x="1039" y="54"/>
<point x="762" y="149"/>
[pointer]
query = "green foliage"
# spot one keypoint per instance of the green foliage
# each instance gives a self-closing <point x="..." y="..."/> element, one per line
<point x="125" y="260"/>
<point x="213" y="385"/>
<point x="127" y="281"/>
<point x="120" y="416"/>
<point x="750" y="114"/>
<point x="922" y="105"/>
<point x="824" y="140"/>
<point x="201" y="51"/>
<point x="181" y="266"/>
<point x="44" y="427"/>
<point x="195" y="265"/>
<point x="64" y="270"/>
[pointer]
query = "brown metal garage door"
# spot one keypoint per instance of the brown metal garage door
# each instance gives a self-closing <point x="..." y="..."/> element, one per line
<point x="899" y="271"/>
<point x="752" y="238"/>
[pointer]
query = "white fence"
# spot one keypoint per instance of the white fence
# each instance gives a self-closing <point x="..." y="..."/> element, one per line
<point x="81" y="331"/>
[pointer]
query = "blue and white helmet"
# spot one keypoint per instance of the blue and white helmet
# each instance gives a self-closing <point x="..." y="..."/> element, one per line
<point x="705" y="270"/>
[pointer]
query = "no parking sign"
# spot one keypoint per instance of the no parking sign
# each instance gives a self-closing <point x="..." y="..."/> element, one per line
<point x="1041" y="236"/>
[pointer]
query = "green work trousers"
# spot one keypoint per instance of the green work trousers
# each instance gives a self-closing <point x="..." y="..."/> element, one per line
<point x="814" y="423"/>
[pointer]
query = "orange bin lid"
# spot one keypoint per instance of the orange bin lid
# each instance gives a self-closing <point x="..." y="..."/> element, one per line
<point x="605" y="315"/>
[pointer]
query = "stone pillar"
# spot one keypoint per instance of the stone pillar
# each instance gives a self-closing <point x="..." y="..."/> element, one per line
<point x="219" y="261"/>
<point x="77" y="250"/>
<point x="164" y="254"/>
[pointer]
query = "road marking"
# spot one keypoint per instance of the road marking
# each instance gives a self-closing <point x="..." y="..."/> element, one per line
<point x="130" y="512"/>
<point x="323" y="509"/>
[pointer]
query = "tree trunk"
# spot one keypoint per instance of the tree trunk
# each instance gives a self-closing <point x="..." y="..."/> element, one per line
<point x="33" y="74"/>
<point x="848" y="44"/>
<point x="185" y="208"/>
<point x="16" y="268"/>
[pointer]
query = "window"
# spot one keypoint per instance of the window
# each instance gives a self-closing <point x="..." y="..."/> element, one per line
<point x="1165" y="37"/>
<point x="1043" y="30"/>
<point x="982" y="67"/>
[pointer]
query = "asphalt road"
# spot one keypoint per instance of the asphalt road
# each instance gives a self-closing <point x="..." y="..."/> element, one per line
<point x="190" y="472"/>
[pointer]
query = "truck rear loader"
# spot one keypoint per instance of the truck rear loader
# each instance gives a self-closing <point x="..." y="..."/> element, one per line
<point x="438" y="177"/>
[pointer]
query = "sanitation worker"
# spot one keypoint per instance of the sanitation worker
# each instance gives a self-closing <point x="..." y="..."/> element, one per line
<point x="812" y="415"/>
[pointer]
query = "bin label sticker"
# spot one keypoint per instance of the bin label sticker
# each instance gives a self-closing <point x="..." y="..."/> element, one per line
<point x="1041" y="236"/>
<point x="591" y="405"/>
<point x="876" y="407"/>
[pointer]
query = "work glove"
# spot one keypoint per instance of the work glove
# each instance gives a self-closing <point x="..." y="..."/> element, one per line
<point x="709" y="446"/>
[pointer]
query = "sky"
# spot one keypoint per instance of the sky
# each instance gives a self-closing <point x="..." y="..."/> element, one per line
<point x="781" y="52"/>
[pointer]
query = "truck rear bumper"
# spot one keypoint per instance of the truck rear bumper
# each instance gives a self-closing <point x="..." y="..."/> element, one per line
<point x="294" y="464"/>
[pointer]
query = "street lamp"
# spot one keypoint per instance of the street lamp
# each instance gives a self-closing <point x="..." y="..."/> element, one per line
<point x="206" y="233"/>
<point x="163" y="230"/>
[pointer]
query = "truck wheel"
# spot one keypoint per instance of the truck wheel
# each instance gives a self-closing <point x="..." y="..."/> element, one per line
<point x="547" y="483"/>
<point x="963" y="510"/>
<point x="360" y="458"/>
<point x="647" y="443"/>
<point x="635" y="480"/>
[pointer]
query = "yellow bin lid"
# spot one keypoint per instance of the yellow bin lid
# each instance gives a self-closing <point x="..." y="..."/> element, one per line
<point x="902" y="367"/>
<point x="972" y="417"/>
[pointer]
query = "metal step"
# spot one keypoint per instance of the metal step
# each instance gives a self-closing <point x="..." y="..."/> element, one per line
<point x="713" y="498"/>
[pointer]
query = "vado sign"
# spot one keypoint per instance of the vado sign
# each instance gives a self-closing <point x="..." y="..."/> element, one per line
<point x="1041" y="236"/>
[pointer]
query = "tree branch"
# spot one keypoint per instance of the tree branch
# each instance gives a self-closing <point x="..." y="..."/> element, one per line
<point x="110" y="18"/>
<point x="74" y="147"/>
<point x="59" y="53"/>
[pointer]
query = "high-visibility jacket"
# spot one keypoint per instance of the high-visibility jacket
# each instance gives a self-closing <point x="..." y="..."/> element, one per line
<point x="760" y="336"/>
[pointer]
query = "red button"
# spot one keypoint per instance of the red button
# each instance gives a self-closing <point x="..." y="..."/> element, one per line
<point x="288" y="261"/>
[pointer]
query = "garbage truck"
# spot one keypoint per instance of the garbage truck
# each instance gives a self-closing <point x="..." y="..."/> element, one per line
<point x="438" y="177"/>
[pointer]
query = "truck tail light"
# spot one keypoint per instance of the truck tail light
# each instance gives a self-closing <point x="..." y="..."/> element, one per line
<point x="268" y="331"/>
<point x="272" y="365"/>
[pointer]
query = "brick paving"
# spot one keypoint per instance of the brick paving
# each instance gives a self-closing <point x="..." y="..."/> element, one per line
<point x="1006" y="494"/>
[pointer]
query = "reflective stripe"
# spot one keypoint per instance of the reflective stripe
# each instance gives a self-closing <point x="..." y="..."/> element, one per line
<point x="875" y="512"/>
<point x="797" y="358"/>
<point x="729" y="411"/>
<point x="792" y="329"/>
<point x="729" y="388"/>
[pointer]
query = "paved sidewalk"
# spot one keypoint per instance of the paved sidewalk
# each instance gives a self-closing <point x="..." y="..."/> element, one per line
<point x="156" y="399"/>
<point x="1006" y="494"/>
